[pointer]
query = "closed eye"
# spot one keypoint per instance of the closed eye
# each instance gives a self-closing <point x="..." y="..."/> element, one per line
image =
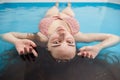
<point x="73" y="45"/>
<point x="55" y="45"/>
<point x="70" y="43"/>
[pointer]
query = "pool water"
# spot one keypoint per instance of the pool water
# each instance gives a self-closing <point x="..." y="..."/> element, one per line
<point x="93" y="18"/>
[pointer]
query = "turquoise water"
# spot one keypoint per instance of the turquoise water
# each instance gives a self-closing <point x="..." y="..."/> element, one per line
<point x="93" y="18"/>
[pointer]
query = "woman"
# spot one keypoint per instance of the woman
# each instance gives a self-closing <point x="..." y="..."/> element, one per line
<point x="58" y="32"/>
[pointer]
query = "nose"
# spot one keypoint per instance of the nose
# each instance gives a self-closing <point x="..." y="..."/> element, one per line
<point x="62" y="36"/>
<point x="61" y="30"/>
<point x="61" y="33"/>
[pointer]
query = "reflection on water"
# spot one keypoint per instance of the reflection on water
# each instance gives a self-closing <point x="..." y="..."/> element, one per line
<point x="46" y="68"/>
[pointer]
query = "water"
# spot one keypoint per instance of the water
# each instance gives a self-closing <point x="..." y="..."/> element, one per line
<point x="93" y="18"/>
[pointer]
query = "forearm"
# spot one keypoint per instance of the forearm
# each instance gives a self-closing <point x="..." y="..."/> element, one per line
<point x="9" y="37"/>
<point x="15" y="36"/>
<point x="108" y="41"/>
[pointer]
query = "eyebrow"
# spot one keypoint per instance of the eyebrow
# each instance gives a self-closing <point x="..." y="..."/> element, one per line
<point x="72" y="45"/>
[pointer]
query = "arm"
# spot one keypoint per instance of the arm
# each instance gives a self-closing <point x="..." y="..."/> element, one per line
<point x="23" y="41"/>
<point x="106" y="40"/>
<point x="14" y="37"/>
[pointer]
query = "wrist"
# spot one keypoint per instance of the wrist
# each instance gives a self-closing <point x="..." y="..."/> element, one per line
<point x="99" y="46"/>
<point x="16" y="41"/>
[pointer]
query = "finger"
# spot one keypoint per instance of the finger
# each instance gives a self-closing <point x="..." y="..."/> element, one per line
<point x="85" y="54"/>
<point x="88" y="55"/>
<point x="91" y="56"/>
<point x="35" y="52"/>
<point x="32" y="44"/>
<point x="27" y="49"/>
<point x="28" y="54"/>
<point x="21" y="52"/>
<point x="79" y="54"/>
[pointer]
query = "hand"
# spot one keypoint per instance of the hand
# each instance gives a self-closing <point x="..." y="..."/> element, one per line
<point x="26" y="49"/>
<point x="89" y="51"/>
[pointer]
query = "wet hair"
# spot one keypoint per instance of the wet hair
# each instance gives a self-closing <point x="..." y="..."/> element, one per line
<point x="106" y="66"/>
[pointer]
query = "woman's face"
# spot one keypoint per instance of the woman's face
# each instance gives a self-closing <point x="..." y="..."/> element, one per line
<point x="61" y="44"/>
